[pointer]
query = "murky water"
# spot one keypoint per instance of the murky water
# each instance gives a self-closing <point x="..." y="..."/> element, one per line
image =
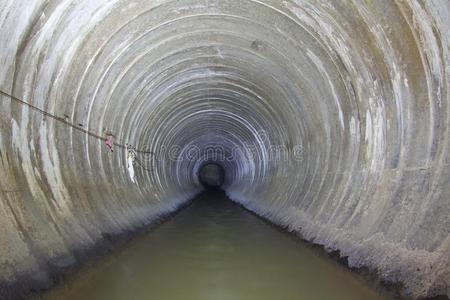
<point x="214" y="249"/>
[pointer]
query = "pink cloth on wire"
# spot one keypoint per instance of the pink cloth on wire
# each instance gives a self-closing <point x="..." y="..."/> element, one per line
<point x="109" y="142"/>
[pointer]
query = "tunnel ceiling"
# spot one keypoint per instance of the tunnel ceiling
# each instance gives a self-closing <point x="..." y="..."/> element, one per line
<point x="331" y="118"/>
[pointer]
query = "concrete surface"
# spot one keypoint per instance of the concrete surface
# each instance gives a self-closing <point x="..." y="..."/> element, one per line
<point x="333" y="117"/>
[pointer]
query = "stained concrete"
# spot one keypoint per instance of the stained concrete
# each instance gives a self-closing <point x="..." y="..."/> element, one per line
<point x="339" y="111"/>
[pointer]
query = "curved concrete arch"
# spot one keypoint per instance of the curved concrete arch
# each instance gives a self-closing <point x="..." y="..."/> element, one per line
<point x="333" y="117"/>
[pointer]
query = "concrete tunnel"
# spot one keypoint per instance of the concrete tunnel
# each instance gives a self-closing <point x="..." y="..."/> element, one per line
<point x="333" y="118"/>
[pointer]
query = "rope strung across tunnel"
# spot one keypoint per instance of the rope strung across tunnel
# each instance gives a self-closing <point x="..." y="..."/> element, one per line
<point x="62" y="120"/>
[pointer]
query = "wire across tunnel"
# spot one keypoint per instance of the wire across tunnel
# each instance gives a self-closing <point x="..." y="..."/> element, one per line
<point x="329" y="118"/>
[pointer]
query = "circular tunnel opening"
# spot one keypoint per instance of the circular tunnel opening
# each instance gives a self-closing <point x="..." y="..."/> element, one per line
<point x="330" y="118"/>
<point x="211" y="175"/>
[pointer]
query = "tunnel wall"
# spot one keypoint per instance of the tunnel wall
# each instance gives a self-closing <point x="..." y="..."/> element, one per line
<point x="332" y="119"/>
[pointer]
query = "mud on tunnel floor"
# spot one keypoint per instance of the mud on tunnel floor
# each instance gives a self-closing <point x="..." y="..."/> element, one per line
<point x="215" y="249"/>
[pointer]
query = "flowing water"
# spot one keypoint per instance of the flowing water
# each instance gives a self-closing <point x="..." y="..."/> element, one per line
<point x="214" y="249"/>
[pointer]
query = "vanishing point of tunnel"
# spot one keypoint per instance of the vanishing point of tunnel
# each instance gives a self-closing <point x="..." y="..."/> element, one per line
<point x="328" y="119"/>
